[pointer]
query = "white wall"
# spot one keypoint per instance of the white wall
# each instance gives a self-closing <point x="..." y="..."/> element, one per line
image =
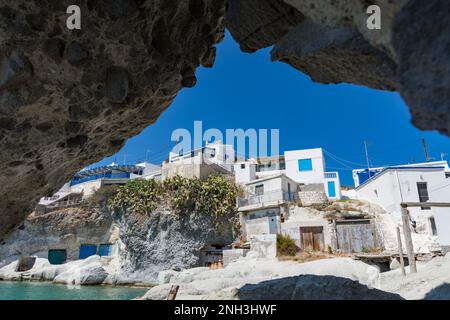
<point x="246" y="174"/>
<point x="266" y="221"/>
<point x="88" y="188"/>
<point x="384" y="190"/>
<point x="318" y="166"/>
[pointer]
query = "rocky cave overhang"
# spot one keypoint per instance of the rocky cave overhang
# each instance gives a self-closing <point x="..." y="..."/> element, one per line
<point x="68" y="98"/>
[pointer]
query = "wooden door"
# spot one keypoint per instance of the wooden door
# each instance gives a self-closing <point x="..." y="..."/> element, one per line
<point x="311" y="238"/>
<point x="355" y="236"/>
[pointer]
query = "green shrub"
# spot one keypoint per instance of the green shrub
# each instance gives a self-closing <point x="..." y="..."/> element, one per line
<point x="329" y="249"/>
<point x="286" y="245"/>
<point x="215" y="196"/>
<point x="102" y="196"/>
<point x="139" y="196"/>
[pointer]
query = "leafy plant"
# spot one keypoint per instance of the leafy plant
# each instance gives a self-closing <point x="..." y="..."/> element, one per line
<point x="214" y="196"/>
<point x="102" y="196"/>
<point x="286" y="245"/>
<point x="139" y="196"/>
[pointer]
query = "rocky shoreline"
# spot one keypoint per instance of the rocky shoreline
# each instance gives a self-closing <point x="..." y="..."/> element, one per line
<point x="94" y="270"/>
<point x="252" y="278"/>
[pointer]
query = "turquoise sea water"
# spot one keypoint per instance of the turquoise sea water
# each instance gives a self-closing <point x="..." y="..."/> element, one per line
<point x="49" y="291"/>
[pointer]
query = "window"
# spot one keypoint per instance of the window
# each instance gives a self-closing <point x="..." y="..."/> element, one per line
<point x="243" y="166"/>
<point x="447" y="175"/>
<point x="433" y="226"/>
<point x="305" y="165"/>
<point x="422" y="189"/>
<point x="259" y="190"/>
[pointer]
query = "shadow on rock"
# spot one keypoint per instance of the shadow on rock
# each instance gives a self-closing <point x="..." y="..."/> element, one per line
<point x="313" y="287"/>
<point x="439" y="293"/>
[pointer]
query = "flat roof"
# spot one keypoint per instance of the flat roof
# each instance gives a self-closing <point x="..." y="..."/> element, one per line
<point x="275" y="176"/>
<point x="402" y="168"/>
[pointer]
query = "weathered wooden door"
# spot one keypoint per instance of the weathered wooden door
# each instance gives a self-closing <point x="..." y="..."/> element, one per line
<point x="311" y="238"/>
<point x="355" y="236"/>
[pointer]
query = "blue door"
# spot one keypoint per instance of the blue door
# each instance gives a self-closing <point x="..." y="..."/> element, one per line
<point x="87" y="250"/>
<point x="331" y="189"/>
<point x="105" y="250"/>
<point x="57" y="256"/>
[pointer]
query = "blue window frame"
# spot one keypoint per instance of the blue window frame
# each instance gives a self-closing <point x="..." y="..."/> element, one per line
<point x="305" y="165"/>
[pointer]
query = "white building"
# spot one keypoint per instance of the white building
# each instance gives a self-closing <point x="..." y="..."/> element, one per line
<point x="149" y="171"/>
<point x="423" y="182"/>
<point x="216" y="152"/>
<point x="303" y="166"/>
<point x="200" y="163"/>
<point x="262" y="208"/>
<point x="87" y="181"/>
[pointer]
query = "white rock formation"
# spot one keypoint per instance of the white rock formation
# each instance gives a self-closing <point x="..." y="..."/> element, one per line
<point x="432" y="280"/>
<point x="90" y="271"/>
<point x="204" y="283"/>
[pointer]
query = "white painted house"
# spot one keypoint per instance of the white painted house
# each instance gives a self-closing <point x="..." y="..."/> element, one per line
<point x="216" y="152"/>
<point x="263" y="206"/>
<point x="303" y="166"/>
<point x="423" y="182"/>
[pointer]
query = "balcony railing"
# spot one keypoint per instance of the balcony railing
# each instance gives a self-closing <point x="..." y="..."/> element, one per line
<point x="330" y="175"/>
<point x="271" y="196"/>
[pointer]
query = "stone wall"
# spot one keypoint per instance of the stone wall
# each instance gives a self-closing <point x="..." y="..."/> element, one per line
<point x="308" y="198"/>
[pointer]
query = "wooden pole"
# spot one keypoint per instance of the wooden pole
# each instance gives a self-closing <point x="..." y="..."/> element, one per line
<point x="400" y="250"/>
<point x="408" y="240"/>
<point x="173" y="292"/>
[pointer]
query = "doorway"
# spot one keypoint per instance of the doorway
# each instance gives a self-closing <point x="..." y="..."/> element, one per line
<point x="311" y="238"/>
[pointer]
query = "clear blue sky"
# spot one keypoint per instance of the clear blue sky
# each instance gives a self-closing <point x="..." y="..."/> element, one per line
<point x="248" y="91"/>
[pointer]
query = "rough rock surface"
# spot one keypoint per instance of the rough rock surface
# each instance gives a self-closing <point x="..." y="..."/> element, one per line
<point x="423" y="51"/>
<point x="163" y="241"/>
<point x="335" y="55"/>
<point x="332" y="44"/>
<point x="253" y="278"/>
<point x="335" y="279"/>
<point x="147" y="244"/>
<point x="69" y="98"/>
<point x="66" y="228"/>
<point x="431" y="282"/>
<point x="257" y="24"/>
<point x="312" y="287"/>
<point x="90" y="271"/>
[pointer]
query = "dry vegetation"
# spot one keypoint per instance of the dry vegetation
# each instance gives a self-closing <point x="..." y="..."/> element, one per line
<point x="306" y="256"/>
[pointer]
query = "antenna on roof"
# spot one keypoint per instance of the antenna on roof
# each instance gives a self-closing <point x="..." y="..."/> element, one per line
<point x="367" y="156"/>
<point x="424" y="144"/>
